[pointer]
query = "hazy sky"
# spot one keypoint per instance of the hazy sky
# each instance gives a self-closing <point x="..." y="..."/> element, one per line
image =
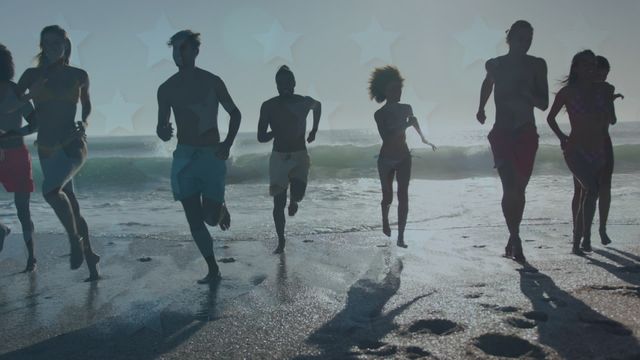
<point x="332" y="46"/>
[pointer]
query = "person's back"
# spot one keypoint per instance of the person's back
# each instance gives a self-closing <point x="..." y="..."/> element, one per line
<point x="589" y="115"/>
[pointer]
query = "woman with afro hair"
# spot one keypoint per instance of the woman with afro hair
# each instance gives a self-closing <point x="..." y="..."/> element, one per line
<point x="392" y="119"/>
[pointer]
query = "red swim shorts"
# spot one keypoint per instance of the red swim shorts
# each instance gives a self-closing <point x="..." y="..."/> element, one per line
<point x="517" y="147"/>
<point x="15" y="170"/>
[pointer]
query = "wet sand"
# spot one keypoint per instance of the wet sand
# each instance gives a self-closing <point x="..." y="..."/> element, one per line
<point x="450" y="295"/>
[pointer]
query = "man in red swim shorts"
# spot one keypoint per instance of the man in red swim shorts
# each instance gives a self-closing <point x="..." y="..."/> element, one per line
<point x="520" y="83"/>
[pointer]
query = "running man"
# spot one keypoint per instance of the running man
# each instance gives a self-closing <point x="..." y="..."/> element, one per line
<point x="286" y="115"/>
<point x="520" y="83"/>
<point x="198" y="169"/>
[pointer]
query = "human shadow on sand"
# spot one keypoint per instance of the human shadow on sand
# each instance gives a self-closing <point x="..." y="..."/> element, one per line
<point x="358" y="329"/>
<point x="129" y="336"/>
<point x="573" y="329"/>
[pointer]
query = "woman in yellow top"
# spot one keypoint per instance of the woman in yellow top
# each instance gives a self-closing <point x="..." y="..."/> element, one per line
<point x="62" y="146"/>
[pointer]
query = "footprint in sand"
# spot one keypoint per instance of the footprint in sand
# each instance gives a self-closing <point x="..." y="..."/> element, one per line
<point x="415" y="352"/>
<point x="503" y="309"/>
<point x="544" y="247"/>
<point x="227" y="260"/>
<point x="465" y="236"/>
<point x="520" y="323"/>
<point x="507" y="346"/>
<point x="529" y="240"/>
<point x="478" y="285"/>
<point x="377" y="348"/>
<point x="536" y="315"/>
<point x="440" y="327"/>
<point x="473" y="296"/>
<point x="479" y="246"/>
<point x="257" y="280"/>
<point x="622" y="290"/>
<point x="382" y="245"/>
<point x="144" y="259"/>
<point x="307" y="241"/>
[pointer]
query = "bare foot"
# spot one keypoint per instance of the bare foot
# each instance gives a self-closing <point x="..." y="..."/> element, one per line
<point x="31" y="266"/>
<point x="293" y="208"/>
<point x="386" y="229"/>
<point x="211" y="278"/>
<point x="92" y="263"/>
<point x="77" y="256"/>
<point x="604" y="238"/>
<point x="401" y="243"/>
<point x="225" y="218"/>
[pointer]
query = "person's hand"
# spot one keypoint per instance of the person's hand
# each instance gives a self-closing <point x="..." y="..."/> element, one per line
<point x="618" y="96"/>
<point x="312" y="136"/>
<point x="426" y="142"/>
<point x="165" y="132"/>
<point x="481" y="117"/>
<point x="81" y="129"/>
<point x="222" y="152"/>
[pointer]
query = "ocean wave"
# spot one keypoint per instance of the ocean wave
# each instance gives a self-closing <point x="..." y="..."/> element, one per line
<point x="333" y="162"/>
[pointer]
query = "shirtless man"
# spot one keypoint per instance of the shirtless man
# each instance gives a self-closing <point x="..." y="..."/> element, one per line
<point x="520" y="82"/>
<point x="286" y="115"/>
<point x="198" y="170"/>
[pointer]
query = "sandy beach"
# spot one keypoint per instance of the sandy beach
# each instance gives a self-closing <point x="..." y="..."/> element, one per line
<point x="343" y="294"/>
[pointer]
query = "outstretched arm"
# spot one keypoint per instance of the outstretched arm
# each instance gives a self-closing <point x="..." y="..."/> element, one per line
<point x="316" y="107"/>
<point x="164" y="130"/>
<point x="558" y="103"/>
<point x="263" y="125"/>
<point x="234" y="121"/>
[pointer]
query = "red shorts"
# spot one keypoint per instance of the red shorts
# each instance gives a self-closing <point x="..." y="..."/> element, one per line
<point x="15" y="170"/>
<point x="517" y="148"/>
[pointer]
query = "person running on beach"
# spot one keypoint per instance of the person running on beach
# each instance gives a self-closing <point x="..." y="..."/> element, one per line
<point x="604" y="193"/>
<point x="520" y="83"/>
<point x="198" y="169"/>
<point x="15" y="160"/>
<point x="62" y="144"/>
<point x="286" y="116"/>
<point x="394" y="160"/>
<point x="589" y="104"/>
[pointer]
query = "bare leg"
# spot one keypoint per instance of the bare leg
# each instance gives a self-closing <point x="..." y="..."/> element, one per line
<point x="298" y="189"/>
<point x="512" y="209"/>
<point x="83" y="231"/>
<point x="279" y="203"/>
<point x="386" y="182"/>
<point x="575" y="202"/>
<point x="62" y="207"/>
<point x="24" y="215"/>
<point x="195" y="217"/>
<point x="604" y="204"/>
<point x="403" y="177"/>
